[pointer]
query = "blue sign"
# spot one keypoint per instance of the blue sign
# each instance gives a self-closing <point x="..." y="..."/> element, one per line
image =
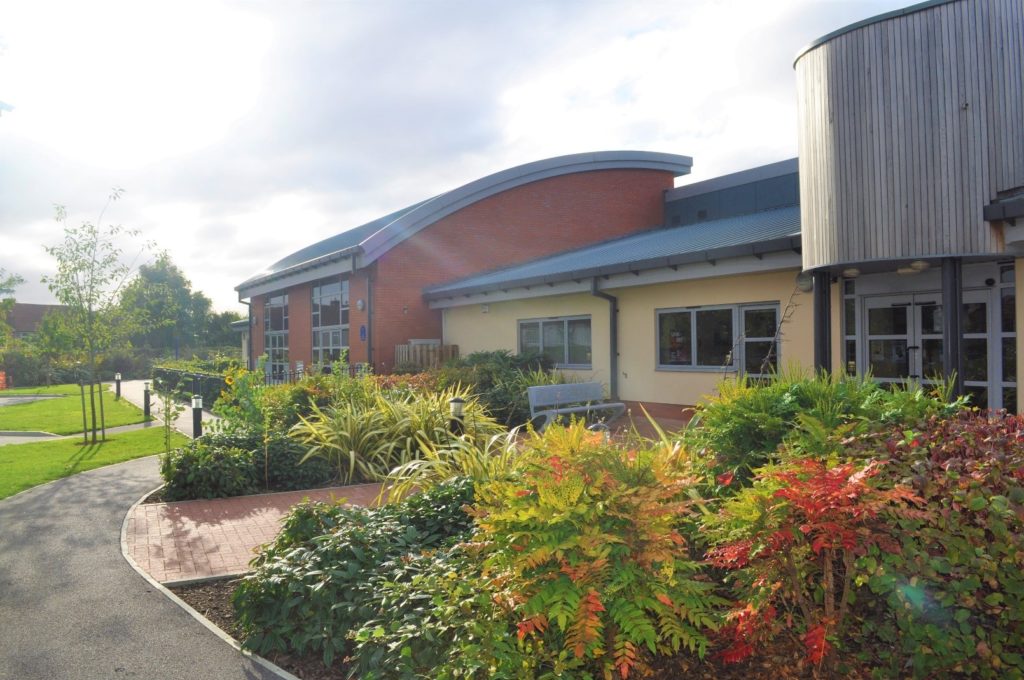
<point x="362" y="333"/>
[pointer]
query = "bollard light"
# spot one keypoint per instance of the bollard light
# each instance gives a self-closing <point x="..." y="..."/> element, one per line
<point x="117" y="386"/>
<point x="456" y="408"/>
<point x="197" y="416"/>
<point x="145" y="400"/>
<point x="117" y="376"/>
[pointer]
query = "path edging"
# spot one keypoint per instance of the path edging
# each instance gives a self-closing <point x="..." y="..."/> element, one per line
<point x="256" y="658"/>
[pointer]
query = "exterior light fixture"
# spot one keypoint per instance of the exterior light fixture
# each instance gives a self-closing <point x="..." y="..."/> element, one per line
<point x="804" y="282"/>
<point x="145" y="386"/>
<point x="456" y="408"/>
<point x="197" y="401"/>
<point x="905" y="271"/>
<point x="919" y="265"/>
<point x="851" y="273"/>
<point x="360" y="304"/>
<point x="117" y="376"/>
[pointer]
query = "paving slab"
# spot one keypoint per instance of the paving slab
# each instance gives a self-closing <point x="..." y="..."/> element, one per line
<point x="196" y="540"/>
<point x="71" y="607"/>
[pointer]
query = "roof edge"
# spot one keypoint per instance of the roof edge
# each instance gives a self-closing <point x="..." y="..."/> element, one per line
<point x="752" y="249"/>
<point x="477" y="190"/>
<point x="783" y="168"/>
<point x="894" y="14"/>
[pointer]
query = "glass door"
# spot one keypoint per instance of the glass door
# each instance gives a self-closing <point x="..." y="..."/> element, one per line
<point x="904" y="340"/>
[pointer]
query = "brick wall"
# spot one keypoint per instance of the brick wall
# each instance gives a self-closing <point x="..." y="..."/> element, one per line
<point x="541" y="218"/>
<point x="522" y="224"/>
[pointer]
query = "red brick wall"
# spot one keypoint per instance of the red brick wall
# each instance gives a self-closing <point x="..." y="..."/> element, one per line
<point x="522" y="224"/>
<point x="518" y="225"/>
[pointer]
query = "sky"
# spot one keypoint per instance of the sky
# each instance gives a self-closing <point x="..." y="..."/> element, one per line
<point x="243" y="131"/>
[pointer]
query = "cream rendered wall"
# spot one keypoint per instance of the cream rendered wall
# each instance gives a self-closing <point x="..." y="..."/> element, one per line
<point x="638" y="378"/>
<point x="474" y="330"/>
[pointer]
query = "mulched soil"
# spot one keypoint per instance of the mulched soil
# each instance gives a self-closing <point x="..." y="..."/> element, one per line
<point x="213" y="600"/>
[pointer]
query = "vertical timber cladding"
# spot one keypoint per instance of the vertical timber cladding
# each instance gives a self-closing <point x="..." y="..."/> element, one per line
<point x="909" y="125"/>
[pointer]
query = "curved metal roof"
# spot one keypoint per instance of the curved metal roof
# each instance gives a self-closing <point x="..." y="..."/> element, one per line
<point x="373" y="239"/>
<point x="751" y="234"/>
<point x="867" y="22"/>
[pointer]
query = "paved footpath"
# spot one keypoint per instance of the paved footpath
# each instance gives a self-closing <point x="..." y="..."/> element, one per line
<point x="191" y="540"/>
<point x="72" y="607"/>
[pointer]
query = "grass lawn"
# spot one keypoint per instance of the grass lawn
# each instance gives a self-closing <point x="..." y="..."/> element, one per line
<point x="26" y="465"/>
<point x="64" y="415"/>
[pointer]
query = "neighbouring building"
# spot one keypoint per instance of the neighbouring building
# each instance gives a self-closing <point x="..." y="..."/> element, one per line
<point x="892" y="246"/>
<point x="25" y="318"/>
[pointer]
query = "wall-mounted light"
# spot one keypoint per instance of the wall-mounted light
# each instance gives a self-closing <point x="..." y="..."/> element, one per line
<point x="360" y="304"/>
<point x="851" y="273"/>
<point x="804" y="282"/>
<point x="919" y="265"/>
<point x="484" y="309"/>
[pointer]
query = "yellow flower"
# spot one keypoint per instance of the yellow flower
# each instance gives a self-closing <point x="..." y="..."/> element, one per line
<point x="229" y="381"/>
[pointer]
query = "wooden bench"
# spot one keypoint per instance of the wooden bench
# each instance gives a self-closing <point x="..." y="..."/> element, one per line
<point x="551" y="401"/>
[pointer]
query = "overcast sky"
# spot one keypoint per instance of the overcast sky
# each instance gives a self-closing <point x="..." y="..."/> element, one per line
<point x="242" y="131"/>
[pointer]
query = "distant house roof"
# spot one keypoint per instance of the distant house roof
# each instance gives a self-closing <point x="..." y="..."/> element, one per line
<point x="371" y="240"/>
<point x="26" y="317"/>
<point x="751" y="234"/>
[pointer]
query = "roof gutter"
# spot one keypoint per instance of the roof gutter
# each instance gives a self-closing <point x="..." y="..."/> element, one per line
<point x="321" y="261"/>
<point x="613" y="337"/>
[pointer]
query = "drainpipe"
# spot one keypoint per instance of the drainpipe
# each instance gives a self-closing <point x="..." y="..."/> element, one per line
<point x="369" y="321"/>
<point x="613" y="336"/>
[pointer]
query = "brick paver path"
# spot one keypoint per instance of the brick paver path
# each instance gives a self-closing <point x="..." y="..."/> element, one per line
<point x="189" y="540"/>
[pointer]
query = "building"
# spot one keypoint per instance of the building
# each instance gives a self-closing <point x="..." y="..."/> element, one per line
<point x="25" y="318"/>
<point x="890" y="247"/>
<point x="362" y="290"/>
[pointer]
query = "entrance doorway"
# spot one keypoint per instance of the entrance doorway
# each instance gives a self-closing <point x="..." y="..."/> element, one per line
<point x="903" y="340"/>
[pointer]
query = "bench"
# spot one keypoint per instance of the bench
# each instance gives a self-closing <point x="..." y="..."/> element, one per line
<point x="551" y="401"/>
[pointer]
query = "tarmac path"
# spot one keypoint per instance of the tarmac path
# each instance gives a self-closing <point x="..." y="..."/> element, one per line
<point x="72" y="607"/>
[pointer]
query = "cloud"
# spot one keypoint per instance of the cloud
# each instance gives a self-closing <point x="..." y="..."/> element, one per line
<point x="245" y="130"/>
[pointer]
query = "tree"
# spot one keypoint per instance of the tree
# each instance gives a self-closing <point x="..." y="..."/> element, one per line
<point x="89" y="279"/>
<point x="219" y="331"/>
<point x="8" y="282"/>
<point x="162" y="298"/>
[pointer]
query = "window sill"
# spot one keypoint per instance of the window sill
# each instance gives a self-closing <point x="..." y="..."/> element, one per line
<point x="696" y="369"/>
<point x="574" y="367"/>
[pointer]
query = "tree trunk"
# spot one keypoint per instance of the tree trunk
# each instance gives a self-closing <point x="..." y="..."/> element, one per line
<point x="92" y="405"/>
<point x="103" y="419"/>
<point x="85" y="424"/>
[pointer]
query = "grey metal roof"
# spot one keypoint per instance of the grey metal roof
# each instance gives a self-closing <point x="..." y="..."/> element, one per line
<point x="752" y="234"/>
<point x="371" y="240"/>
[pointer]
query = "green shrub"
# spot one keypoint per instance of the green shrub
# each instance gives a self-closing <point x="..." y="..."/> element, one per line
<point x="953" y="594"/>
<point x="499" y="380"/>
<point x="365" y="440"/>
<point x="740" y="429"/>
<point x="199" y="470"/>
<point x="587" y="537"/>
<point x="308" y="589"/>
<point x="437" y="617"/>
<point x="245" y="464"/>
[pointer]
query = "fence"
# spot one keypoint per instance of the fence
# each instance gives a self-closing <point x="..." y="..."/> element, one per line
<point x="280" y="377"/>
<point x="424" y="356"/>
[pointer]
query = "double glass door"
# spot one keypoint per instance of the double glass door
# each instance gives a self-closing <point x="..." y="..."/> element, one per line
<point x="904" y="338"/>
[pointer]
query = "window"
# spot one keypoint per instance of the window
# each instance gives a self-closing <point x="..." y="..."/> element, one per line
<point x="330" y="321"/>
<point x="275" y="334"/>
<point x="719" y="337"/>
<point x="565" y="341"/>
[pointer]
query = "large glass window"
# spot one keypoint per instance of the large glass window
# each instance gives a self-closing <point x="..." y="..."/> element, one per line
<point x="719" y="337"/>
<point x="565" y="341"/>
<point x="330" y="321"/>
<point x="275" y="334"/>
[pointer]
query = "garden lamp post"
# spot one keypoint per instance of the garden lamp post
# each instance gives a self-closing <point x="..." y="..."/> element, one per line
<point x="456" y="409"/>
<point x="117" y="386"/>
<point x="197" y="416"/>
<point x="145" y="400"/>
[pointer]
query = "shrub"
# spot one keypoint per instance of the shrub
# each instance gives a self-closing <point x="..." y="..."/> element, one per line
<point x="953" y="595"/>
<point x="499" y="380"/>
<point x="308" y="590"/>
<point x="367" y="440"/>
<point x="199" y="470"/>
<point x="438" y="617"/>
<point x="587" y="537"/>
<point x="741" y="429"/>
<point x="793" y="540"/>
<point x="234" y="463"/>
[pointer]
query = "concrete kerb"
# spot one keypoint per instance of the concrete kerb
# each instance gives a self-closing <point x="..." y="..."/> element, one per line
<point x="33" y="433"/>
<point x="256" y="658"/>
